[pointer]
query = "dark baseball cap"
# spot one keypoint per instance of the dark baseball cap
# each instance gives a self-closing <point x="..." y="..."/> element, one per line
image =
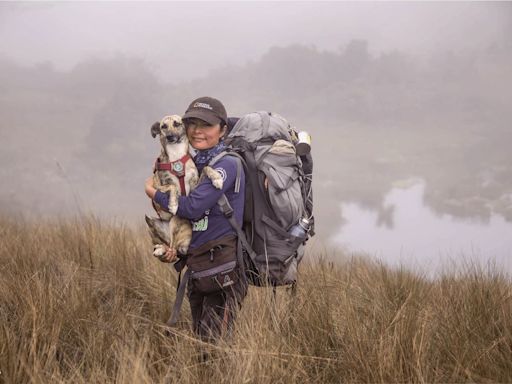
<point x="208" y="109"/>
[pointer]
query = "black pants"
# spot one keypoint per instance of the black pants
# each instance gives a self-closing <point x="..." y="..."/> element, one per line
<point x="213" y="315"/>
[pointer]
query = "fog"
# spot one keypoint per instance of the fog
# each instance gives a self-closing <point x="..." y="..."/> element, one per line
<point x="388" y="91"/>
<point x="183" y="40"/>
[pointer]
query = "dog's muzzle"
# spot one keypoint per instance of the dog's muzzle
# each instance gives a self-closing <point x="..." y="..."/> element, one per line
<point x="172" y="139"/>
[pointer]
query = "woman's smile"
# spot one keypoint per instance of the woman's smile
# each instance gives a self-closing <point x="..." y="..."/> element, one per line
<point x="203" y="136"/>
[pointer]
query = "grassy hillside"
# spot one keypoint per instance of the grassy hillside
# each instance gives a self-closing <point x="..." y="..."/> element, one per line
<point x="84" y="301"/>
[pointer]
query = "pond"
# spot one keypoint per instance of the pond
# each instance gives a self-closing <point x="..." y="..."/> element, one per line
<point x="408" y="233"/>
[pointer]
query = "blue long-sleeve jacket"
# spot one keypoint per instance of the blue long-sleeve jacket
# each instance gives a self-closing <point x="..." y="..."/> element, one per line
<point x="200" y="206"/>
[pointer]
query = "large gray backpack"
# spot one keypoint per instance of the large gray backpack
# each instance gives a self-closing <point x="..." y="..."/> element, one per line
<point x="278" y="217"/>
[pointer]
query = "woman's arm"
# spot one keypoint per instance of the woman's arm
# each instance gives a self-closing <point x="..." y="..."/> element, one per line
<point x="203" y="197"/>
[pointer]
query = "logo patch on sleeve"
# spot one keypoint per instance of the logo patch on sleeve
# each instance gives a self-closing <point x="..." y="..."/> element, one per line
<point x="200" y="225"/>
<point x="222" y="172"/>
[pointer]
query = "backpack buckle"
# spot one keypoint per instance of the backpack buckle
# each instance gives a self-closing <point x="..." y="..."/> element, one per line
<point x="225" y="207"/>
<point x="228" y="212"/>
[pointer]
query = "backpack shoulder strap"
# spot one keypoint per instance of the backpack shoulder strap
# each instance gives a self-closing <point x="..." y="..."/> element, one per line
<point x="227" y="210"/>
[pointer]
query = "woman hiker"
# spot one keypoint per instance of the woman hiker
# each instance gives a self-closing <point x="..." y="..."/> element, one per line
<point x="214" y="240"/>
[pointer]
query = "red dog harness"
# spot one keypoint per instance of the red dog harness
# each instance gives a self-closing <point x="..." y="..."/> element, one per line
<point x="177" y="168"/>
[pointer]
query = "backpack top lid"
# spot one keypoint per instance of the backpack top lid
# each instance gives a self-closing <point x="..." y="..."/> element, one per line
<point x="261" y="125"/>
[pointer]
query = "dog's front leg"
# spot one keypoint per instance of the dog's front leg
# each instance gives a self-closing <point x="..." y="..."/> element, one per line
<point x="173" y="199"/>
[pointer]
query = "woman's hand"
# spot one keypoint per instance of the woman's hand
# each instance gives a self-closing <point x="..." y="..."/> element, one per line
<point x="148" y="187"/>
<point x="169" y="256"/>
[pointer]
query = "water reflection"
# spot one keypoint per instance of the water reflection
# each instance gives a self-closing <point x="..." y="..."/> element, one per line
<point x="405" y="231"/>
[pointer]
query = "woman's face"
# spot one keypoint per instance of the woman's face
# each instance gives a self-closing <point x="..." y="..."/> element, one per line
<point x="201" y="135"/>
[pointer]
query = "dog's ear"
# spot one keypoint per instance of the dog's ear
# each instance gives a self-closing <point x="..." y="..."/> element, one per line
<point x="155" y="129"/>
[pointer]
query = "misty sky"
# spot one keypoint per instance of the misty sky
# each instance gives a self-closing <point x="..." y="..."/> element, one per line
<point x="419" y="89"/>
<point x="182" y="40"/>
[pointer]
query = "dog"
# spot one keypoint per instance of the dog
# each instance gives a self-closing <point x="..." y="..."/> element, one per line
<point x="176" y="173"/>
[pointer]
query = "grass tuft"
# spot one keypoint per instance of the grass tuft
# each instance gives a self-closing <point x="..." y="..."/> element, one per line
<point x="83" y="300"/>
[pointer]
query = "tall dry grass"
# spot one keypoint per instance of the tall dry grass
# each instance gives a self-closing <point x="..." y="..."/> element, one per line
<point x="83" y="301"/>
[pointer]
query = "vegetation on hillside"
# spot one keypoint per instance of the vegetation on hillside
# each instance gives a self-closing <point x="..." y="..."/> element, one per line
<point x="375" y="118"/>
<point x="83" y="301"/>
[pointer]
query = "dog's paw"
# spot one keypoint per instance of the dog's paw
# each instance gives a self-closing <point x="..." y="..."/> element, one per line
<point x="215" y="177"/>
<point x="218" y="182"/>
<point x="159" y="250"/>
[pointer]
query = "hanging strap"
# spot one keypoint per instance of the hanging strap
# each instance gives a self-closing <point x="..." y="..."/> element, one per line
<point x="180" y="294"/>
